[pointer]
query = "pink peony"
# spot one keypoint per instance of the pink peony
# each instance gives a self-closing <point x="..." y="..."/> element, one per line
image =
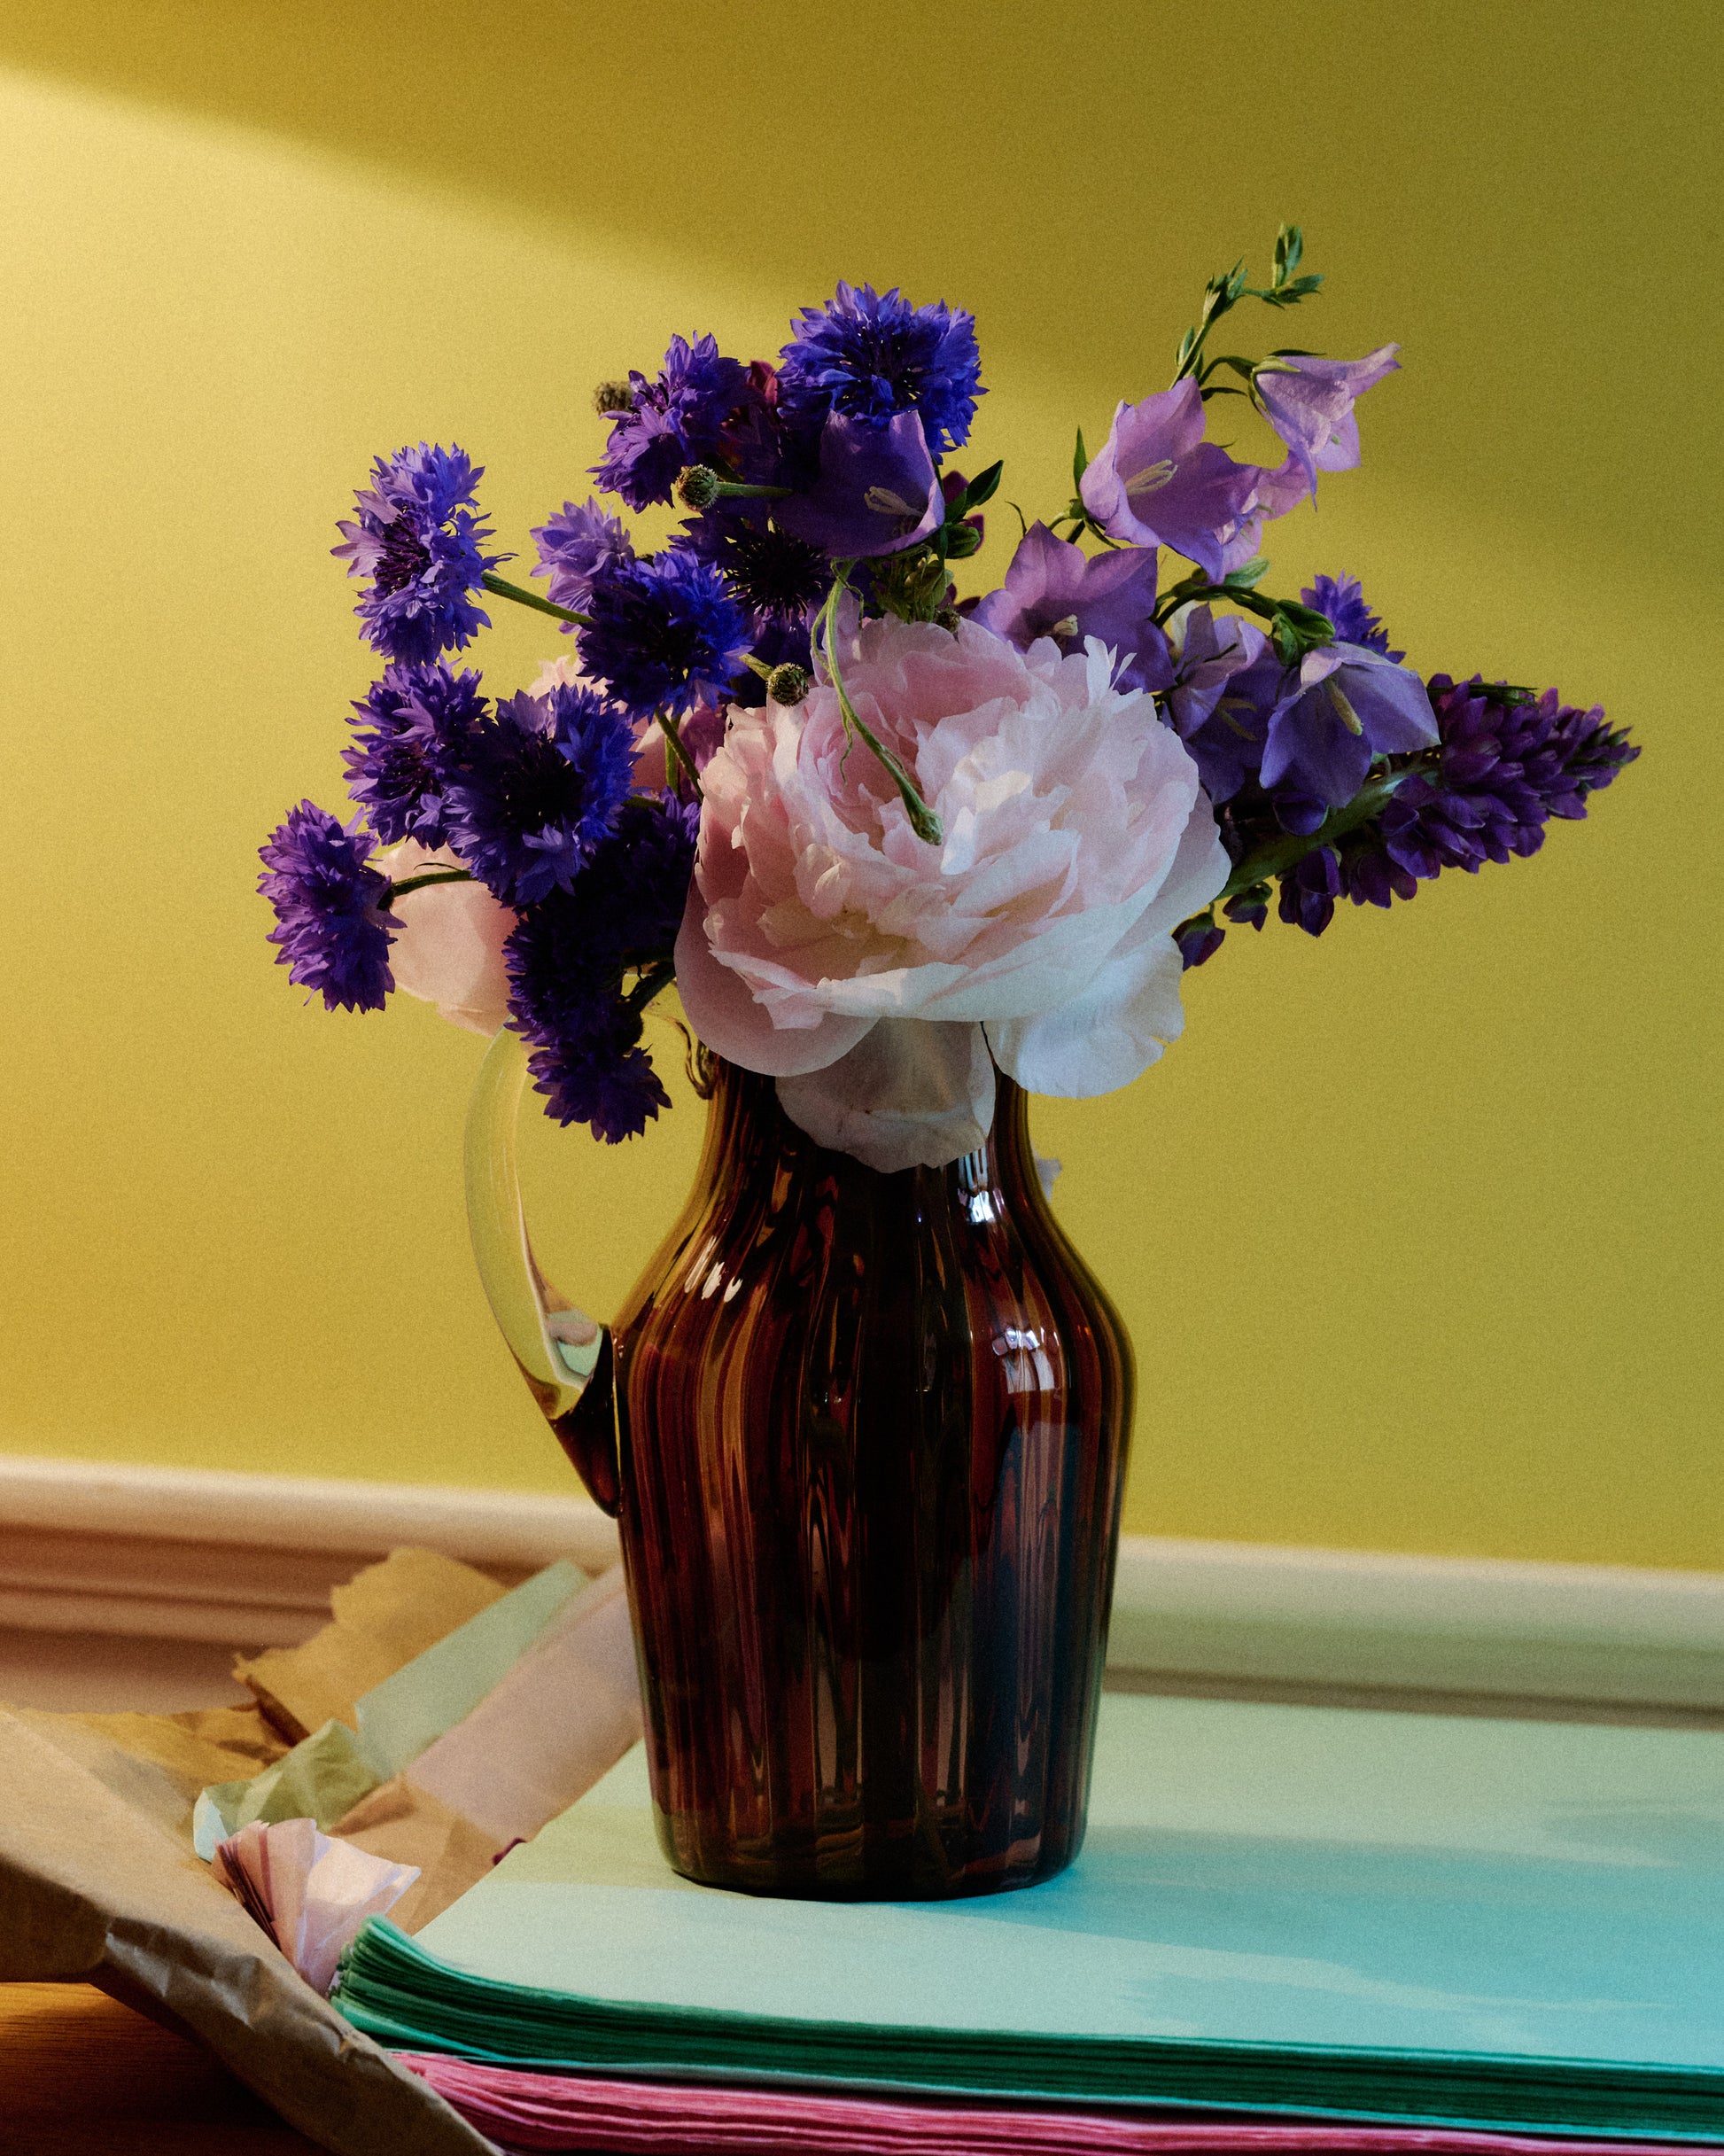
<point x="1076" y="839"/>
<point x="449" y="949"/>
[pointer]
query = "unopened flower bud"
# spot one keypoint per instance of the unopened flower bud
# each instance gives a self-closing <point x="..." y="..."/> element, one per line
<point x="948" y="618"/>
<point x="697" y="486"/>
<point x="787" y="684"/>
<point x="613" y="397"/>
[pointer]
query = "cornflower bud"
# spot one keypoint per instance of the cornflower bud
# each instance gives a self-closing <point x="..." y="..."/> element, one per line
<point x="613" y="397"/>
<point x="697" y="487"/>
<point x="787" y="684"/>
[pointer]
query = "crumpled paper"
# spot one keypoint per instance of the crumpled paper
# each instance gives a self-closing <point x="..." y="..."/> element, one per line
<point x="98" y="1881"/>
<point x="327" y="1773"/>
<point x="310" y="1892"/>
<point x="92" y="1891"/>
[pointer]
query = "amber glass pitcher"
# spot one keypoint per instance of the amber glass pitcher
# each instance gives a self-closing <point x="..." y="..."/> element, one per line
<point x="865" y="1436"/>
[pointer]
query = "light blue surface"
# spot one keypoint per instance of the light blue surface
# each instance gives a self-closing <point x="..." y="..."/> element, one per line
<point x="1264" y="1875"/>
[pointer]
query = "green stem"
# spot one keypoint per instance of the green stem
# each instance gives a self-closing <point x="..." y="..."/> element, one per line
<point x="923" y="822"/>
<point x="651" y="980"/>
<point x="1280" y="854"/>
<point x="504" y="590"/>
<point x="421" y="883"/>
<point x="668" y="726"/>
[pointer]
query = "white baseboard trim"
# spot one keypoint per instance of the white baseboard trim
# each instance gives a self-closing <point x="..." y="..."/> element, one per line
<point x="248" y="1560"/>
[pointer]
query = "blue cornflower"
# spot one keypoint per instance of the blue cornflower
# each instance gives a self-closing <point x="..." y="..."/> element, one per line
<point x="329" y="928"/>
<point x="567" y="956"/>
<point x="871" y="354"/>
<point x="576" y="544"/>
<point x="776" y="576"/>
<point x="419" y="541"/>
<point x="535" y="792"/>
<point x="410" y="727"/>
<point x="665" y="635"/>
<point x="675" y="420"/>
<point x="1342" y="600"/>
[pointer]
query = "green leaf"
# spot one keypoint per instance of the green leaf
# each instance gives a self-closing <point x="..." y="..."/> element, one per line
<point x="981" y="488"/>
<point x="1080" y="463"/>
<point x="1252" y="573"/>
<point x="1289" y="246"/>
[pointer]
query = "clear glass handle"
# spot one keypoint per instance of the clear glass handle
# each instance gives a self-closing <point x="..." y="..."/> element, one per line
<point x="560" y="1350"/>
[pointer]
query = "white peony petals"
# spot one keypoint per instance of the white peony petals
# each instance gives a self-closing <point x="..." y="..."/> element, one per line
<point x="912" y="1094"/>
<point x="1076" y="837"/>
<point x="448" y="944"/>
<point x="1121" y="1020"/>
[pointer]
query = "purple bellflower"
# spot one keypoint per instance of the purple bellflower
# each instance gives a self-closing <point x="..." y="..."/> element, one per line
<point x="410" y="726"/>
<point x="1053" y="588"/>
<point x="1156" y="482"/>
<point x="679" y="418"/>
<point x="1310" y="403"/>
<point x="872" y="355"/>
<point x="575" y="547"/>
<point x="537" y="790"/>
<point x="1345" y="705"/>
<point x="665" y="633"/>
<point x="331" y="933"/>
<point x="418" y="540"/>
<point x="876" y="491"/>
<point x="1207" y="650"/>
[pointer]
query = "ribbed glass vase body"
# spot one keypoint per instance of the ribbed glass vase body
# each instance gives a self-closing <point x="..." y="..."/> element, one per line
<point x="870" y="1439"/>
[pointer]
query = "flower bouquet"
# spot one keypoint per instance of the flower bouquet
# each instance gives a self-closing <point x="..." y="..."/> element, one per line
<point x="907" y="856"/>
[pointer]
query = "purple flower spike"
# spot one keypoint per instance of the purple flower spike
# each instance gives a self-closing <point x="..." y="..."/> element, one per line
<point x="1156" y="481"/>
<point x="331" y="934"/>
<point x="1310" y="403"/>
<point x="575" y="547"/>
<point x="876" y="491"/>
<point x="418" y="540"/>
<point x="1053" y="588"/>
<point x="1345" y="705"/>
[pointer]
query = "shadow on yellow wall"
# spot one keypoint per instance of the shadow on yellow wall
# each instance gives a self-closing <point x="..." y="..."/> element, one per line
<point x="1414" y="1228"/>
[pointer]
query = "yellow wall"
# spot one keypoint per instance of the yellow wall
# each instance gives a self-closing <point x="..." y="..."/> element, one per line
<point x="1417" y="1227"/>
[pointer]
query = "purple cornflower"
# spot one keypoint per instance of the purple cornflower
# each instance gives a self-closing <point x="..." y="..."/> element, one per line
<point x="665" y="633"/>
<point x="1341" y="599"/>
<point x="872" y="355"/>
<point x="876" y="490"/>
<point x="776" y="576"/>
<point x="418" y="539"/>
<point x="1502" y="769"/>
<point x="537" y="790"/>
<point x="679" y="418"/>
<point x="329" y="928"/>
<point x="575" y="547"/>
<point x="1053" y="588"/>
<point x="1156" y="482"/>
<point x="1309" y="401"/>
<point x="409" y="726"/>
<point x="1345" y="705"/>
<point x="568" y="957"/>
